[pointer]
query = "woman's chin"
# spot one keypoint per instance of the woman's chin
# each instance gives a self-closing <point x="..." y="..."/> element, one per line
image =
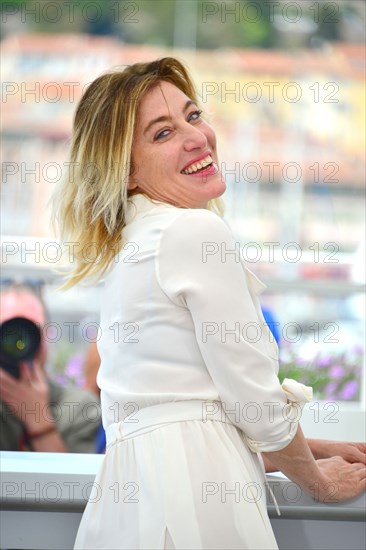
<point x="218" y="188"/>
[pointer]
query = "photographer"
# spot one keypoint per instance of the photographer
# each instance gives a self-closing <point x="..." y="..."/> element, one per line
<point x="38" y="414"/>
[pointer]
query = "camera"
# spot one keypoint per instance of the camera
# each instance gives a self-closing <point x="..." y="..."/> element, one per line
<point x="20" y="340"/>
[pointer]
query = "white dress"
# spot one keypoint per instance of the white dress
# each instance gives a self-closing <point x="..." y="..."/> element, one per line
<point x="189" y="391"/>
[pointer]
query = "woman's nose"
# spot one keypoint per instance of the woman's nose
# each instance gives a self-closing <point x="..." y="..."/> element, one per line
<point x="194" y="138"/>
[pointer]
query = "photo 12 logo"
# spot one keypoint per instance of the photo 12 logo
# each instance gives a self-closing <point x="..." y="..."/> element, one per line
<point x="289" y="13"/>
<point x="70" y="11"/>
<point x="252" y="92"/>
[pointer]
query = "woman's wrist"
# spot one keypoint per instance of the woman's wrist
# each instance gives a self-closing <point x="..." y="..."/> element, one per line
<point x="318" y="448"/>
<point x="317" y="484"/>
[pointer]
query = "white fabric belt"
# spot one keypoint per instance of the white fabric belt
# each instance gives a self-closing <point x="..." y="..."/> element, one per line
<point x="155" y="416"/>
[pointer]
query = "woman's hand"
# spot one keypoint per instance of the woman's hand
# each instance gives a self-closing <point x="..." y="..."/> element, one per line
<point x="350" y="452"/>
<point x="343" y="481"/>
<point x="327" y="480"/>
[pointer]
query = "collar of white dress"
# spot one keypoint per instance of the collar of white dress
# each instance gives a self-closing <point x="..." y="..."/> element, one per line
<point x="141" y="205"/>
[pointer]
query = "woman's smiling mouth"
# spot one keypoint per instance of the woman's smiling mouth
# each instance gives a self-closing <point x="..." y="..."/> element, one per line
<point x="200" y="166"/>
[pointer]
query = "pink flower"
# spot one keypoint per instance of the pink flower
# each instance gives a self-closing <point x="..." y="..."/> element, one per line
<point x="74" y="370"/>
<point x="349" y="390"/>
<point x="330" y="389"/>
<point x="323" y="361"/>
<point x="337" y="371"/>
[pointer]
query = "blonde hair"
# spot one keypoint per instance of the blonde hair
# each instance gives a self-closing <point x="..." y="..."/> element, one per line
<point x="90" y="204"/>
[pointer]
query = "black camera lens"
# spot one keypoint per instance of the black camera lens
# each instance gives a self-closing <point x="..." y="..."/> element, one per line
<point x="20" y="340"/>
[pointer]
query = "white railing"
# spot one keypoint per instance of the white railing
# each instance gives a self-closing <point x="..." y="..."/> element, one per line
<point x="43" y="496"/>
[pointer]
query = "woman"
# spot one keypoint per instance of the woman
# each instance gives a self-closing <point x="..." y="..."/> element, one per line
<point x="190" y="398"/>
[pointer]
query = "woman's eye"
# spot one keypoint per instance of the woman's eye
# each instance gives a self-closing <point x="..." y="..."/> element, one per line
<point x="192" y="117"/>
<point x="161" y="134"/>
<point x="195" y="115"/>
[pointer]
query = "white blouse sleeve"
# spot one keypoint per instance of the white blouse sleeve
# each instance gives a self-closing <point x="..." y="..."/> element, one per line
<point x="199" y="268"/>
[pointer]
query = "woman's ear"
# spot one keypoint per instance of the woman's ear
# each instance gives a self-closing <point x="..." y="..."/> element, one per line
<point x="131" y="181"/>
<point x="132" y="184"/>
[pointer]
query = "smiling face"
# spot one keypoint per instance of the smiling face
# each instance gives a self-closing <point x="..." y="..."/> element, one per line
<point x="174" y="155"/>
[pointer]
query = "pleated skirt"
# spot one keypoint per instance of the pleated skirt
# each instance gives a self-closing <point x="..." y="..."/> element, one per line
<point x="173" y="481"/>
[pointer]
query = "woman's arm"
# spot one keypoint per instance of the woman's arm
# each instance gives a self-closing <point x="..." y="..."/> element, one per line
<point x="324" y="448"/>
<point x="268" y="466"/>
<point x="199" y="269"/>
<point x="349" y="451"/>
<point x="329" y="480"/>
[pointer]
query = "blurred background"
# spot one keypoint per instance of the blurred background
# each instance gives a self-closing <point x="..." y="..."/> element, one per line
<point x="283" y="83"/>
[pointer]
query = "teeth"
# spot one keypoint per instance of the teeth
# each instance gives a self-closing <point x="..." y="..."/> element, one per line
<point x="198" y="165"/>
